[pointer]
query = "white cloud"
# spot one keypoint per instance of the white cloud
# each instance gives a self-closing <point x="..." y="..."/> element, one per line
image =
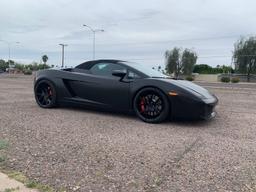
<point x="129" y="27"/>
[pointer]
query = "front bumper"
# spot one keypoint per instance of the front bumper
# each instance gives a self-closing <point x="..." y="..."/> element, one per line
<point x="208" y="111"/>
<point x="211" y="116"/>
<point x="189" y="108"/>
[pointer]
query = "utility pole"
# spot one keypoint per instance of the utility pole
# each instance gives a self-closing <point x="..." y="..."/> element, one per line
<point x="94" y="31"/>
<point x="62" y="60"/>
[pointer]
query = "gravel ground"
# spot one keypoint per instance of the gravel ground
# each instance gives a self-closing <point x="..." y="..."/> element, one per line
<point x="83" y="150"/>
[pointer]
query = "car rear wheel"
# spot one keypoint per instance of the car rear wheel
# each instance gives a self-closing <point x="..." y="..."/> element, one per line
<point x="45" y="94"/>
<point x="151" y="105"/>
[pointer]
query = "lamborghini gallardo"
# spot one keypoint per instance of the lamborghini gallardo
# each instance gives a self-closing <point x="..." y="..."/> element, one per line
<point x="124" y="86"/>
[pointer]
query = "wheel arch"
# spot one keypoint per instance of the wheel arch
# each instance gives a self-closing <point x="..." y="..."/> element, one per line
<point x="44" y="79"/>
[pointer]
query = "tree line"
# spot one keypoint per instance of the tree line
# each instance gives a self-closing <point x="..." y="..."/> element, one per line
<point x="34" y="66"/>
<point x="184" y="62"/>
<point x="206" y="69"/>
<point x="4" y="65"/>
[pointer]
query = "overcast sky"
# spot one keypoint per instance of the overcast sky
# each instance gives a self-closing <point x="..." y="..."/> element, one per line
<point x="140" y="30"/>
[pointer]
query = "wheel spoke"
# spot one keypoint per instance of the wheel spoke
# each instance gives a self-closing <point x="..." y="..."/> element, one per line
<point x="43" y="102"/>
<point x="150" y="105"/>
<point x="41" y="97"/>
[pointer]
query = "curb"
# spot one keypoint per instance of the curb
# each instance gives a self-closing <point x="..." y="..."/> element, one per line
<point x="8" y="184"/>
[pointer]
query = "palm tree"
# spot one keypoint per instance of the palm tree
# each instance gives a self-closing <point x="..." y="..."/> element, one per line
<point x="45" y="59"/>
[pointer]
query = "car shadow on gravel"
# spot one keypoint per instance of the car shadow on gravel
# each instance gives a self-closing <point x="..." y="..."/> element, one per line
<point x="199" y="123"/>
<point x="131" y="116"/>
<point x="98" y="111"/>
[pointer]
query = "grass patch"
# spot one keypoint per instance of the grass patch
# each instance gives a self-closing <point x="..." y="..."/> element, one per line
<point x="3" y="144"/>
<point x="2" y="158"/>
<point x="12" y="189"/>
<point x="40" y="187"/>
<point x="32" y="184"/>
<point x="17" y="176"/>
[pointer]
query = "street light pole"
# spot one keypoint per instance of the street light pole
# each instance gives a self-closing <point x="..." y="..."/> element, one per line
<point x="94" y="31"/>
<point x="9" y="58"/>
<point x="94" y="45"/>
<point x="62" y="61"/>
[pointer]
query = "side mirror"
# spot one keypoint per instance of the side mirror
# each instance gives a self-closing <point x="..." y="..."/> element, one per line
<point x="119" y="73"/>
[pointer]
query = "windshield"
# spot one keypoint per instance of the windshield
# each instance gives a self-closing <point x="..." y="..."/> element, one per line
<point x="147" y="70"/>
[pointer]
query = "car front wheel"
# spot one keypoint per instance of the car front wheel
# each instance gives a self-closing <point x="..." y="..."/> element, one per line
<point x="151" y="105"/>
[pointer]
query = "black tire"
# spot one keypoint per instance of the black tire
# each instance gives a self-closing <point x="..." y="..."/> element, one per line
<point x="45" y="94"/>
<point x="151" y="105"/>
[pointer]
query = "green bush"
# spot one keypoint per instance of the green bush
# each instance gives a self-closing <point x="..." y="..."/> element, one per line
<point x="190" y="78"/>
<point x="235" y="80"/>
<point x="27" y="72"/>
<point x="225" y="79"/>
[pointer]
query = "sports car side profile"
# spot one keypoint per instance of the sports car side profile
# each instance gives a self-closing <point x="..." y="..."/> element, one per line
<point x="124" y="86"/>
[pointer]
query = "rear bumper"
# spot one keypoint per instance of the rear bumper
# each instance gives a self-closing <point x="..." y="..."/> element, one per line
<point x="187" y="108"/>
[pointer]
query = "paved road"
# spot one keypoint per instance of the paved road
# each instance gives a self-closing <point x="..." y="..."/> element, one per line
<point x="85" y="150"/>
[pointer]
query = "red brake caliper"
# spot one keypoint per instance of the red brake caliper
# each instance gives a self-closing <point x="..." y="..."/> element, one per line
<point x="49" y="91"/>
<point x="142" y="105"/>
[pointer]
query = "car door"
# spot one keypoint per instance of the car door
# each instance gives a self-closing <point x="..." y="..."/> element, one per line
<point x="102" y="88"/>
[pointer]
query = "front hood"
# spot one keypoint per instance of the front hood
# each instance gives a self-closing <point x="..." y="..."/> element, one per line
<point x="192" y="87"/>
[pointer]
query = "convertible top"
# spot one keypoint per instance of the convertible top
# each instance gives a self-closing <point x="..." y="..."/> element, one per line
<point x="89" y="64"/>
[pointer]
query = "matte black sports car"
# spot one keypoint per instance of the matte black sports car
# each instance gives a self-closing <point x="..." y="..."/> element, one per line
<point x="124" y="86"/>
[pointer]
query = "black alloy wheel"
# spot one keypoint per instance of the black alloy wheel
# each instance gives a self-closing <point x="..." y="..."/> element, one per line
<point x="45" y="94"/>
<point x="151" y="105"/>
